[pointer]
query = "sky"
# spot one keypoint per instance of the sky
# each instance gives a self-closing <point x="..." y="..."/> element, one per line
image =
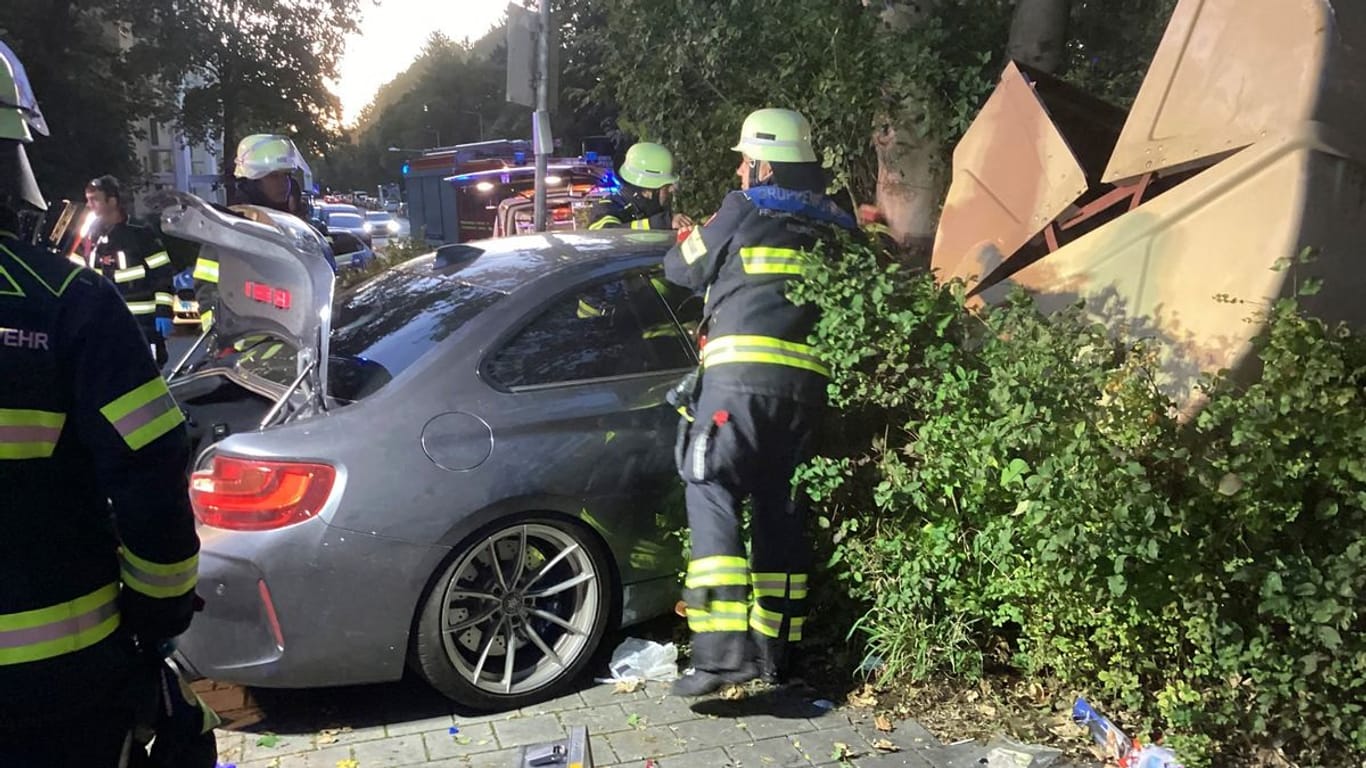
<point x="391" y="36"/>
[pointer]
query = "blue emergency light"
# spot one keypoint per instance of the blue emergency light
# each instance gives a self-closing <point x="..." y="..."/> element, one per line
<point x="405" y="169"/>
<point x="590" y="157"/>
<point x="519" y="158"/>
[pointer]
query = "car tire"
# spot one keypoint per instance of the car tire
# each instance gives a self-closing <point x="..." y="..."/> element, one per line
<point x="561" y="599"/>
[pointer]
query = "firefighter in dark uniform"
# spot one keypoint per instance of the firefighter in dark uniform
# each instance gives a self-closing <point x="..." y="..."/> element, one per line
<point x="98" y="552"/>
<point x="647" y="179"/>
<point x="263" y="171"/>
<point x="132" y="258"/>
<point x="762" y="393"/>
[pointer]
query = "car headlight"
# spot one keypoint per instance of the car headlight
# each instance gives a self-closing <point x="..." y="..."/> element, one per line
<point x="369" y="227"/>
<point x="393" y="225"/>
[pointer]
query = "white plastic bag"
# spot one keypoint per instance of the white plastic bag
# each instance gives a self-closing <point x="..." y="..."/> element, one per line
<point x="641" y="660"/>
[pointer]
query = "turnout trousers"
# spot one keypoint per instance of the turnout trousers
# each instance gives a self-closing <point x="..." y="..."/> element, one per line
<point x="745" y="446"/>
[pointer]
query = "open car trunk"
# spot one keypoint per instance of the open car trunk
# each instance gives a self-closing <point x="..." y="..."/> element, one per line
<point x="275" y="292"/>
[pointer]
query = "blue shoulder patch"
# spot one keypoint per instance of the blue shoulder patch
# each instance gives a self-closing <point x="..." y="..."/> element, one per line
<point x="809" y="205"/>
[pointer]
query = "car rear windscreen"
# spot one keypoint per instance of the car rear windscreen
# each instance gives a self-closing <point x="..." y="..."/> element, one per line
<point x="386" y="324"/>
<point x="345" y="220"/>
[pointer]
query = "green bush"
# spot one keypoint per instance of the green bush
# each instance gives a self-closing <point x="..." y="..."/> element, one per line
<point x="1005" y="490"/>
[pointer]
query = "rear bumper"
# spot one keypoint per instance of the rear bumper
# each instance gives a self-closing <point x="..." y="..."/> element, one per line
<point x="302" y="607"/>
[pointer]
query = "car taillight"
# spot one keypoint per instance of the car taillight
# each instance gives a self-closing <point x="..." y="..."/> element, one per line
<point x="259" y="495"/>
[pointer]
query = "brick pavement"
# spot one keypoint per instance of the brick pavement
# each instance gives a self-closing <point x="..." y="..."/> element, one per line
<point x="766" y="731"/>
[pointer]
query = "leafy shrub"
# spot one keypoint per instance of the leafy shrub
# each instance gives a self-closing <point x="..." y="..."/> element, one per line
<point x="1008" y="490"/>
<point x="396" y="251"/>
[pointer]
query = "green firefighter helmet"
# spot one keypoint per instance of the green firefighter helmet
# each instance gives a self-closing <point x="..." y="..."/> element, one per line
<point x="776" y="135"/>
<point x="20" y="118"/>
<point x="648" y="165"/>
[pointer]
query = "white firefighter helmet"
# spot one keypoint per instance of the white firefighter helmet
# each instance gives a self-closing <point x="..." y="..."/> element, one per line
<point x="262" y="154"/>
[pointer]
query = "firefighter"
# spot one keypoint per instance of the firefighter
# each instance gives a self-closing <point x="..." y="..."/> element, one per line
<point x="264" y="169"/>
<point x="98" y="552"/>
<point x="647" y="179"/>
<point x="132" y="258"/>
<point x="762" y="392"/>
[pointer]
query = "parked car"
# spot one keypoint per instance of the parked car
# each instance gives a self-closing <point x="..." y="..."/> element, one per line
<point x="344" y="218"/>
<point x="456" y="469"/>
<point x="381" y="226"/>
<point x="350" y="251"/>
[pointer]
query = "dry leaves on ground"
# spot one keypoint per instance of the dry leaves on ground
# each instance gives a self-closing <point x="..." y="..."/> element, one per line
<point x="329" y="735"/>
<point x="885" y="745"/>
<point x="628" y="686"/>
<point x="864" y="697"/>
<point x="883" y="723"/>
<point x="733" y="693"/>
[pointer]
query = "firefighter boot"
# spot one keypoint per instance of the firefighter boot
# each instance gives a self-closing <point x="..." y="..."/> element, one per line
<point x="700" y="682"/>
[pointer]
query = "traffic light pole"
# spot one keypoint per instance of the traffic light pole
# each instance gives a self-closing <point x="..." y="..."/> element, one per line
<point x="544" y="144"/>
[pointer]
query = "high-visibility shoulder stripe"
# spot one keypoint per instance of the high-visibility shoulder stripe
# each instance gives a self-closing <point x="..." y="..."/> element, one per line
<point x="640" y="224"/>
<point x="603" y="222"/>
<point x="29" y="434"/>
<point x="142" y="307"/>
<point x="206" y="270"/>
<point x="144" y="414"/>
<point x="159" y="579"/>
<point x="59" y="629"/>
<point x="157" y="260"/>
<point x="164" y="299"/>
<point x="55" y="291"/>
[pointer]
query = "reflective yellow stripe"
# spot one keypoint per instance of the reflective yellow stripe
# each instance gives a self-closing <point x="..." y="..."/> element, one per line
<point x="640" y="224"/>
<point x="717" y="571"/>
<point x="206" y="270"/>
<point x="142" y="307"/>
<point x="603" y="222"/>
<point x="762" y="260"/>
<point x="59" y="629"/>
<point x="159" y="579"/>
<point x="165" y="299"/>
<point x="75" y="259"/>
<point x="693" y="248"/>
<point x="130" y="274"/>
<point x="29" y="434"/>
<point x="144" y="414"/>
<point x="770" y="624"/>
<point x="587" y="310"/>
<point x="158" y="259"/>
<point x="761" y="349"/>
<point x="719" y="616"/>
<point x="776" y="585"/>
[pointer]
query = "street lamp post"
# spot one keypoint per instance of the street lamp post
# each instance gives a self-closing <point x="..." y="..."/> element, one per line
<point x="541" y="119"/>
<point x="478" y="116"/>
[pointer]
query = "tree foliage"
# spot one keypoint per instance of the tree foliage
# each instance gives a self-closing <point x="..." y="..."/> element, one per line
<point x="685" y="72"/>
<point x="90" y="89"/>
<point x="1008" y="490"/>
<point x="453" y="93"/>
<point x="253" y="66"/>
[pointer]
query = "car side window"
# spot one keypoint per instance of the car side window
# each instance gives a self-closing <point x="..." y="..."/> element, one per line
<point x="610" y="329"/>
<point x="685" y="305"/>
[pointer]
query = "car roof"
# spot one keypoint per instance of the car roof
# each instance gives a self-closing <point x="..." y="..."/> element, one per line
<point x="503" y="264"/>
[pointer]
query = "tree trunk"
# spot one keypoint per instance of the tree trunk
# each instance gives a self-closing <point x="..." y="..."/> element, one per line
<point x="910" y="178"/>
<point x="1038" y="33"/>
